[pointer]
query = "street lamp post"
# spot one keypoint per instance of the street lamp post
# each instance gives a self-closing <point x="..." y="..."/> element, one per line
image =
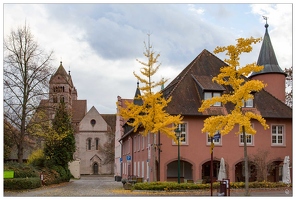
<point x="178" y="134"/>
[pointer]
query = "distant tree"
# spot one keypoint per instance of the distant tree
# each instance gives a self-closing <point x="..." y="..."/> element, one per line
<point x="60" y="150"/>
<point x="151" y="115"/>
<point x="41" y="127"/>
<point x="107" y="149"/>
<point x="8" y="139"/>
<point x="235" y="76"/>
<point x="260" y="161"/>
<point x="289" y="86"/>
<point x="26" y="73"/>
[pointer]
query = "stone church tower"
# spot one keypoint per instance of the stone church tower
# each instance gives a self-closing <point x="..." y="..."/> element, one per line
<point x="61" y="88"/>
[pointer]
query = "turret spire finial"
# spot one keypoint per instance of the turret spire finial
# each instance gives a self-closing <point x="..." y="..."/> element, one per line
<point x="265" y="18"/>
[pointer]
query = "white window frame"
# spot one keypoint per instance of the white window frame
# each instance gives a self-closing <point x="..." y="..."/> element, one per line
<point x="217" y="142"/>
<point x="210" y="95"/>
<point x="143" y="142"/>
<point x="276" y="134"/>
<point x="138" y="169"/>
<point x="147" y="170"/>
<point x="248" y="136"/>
<point x="249" y="103"/>
<point x="134" y="143"/>
<point x="184" y="134"/>
<point x="139" y="142"/>
<point x="143" y="168"/>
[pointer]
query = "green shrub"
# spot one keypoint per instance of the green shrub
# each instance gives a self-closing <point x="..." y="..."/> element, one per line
<point x="65" y="174"/>
<point x="37" y="158"/>
<point x="22" y="183"/>
<point x="27" y="176"/>
<point x="21" y="170"/>
<point x="167" y="186"/>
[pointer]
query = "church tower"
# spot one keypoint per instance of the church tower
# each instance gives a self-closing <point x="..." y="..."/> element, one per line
<point x="61" y="88"/>
<point x="272" y="74"/>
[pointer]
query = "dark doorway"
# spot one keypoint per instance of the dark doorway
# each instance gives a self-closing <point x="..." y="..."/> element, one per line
<point x="185" y="171"/>
<point x="206" y="171"/>
<point x="95" y="168"/>
<point x="240" y="172"/>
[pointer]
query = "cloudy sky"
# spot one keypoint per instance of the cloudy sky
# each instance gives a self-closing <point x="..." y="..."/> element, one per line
<point x="99" y="43"/>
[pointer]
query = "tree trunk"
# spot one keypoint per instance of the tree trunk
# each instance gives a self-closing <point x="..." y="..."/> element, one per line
<point x="246" y="163"/>
<point x="20" y="150"/>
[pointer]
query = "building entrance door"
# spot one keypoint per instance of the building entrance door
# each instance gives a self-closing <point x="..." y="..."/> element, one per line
<point x="95" y="168"/>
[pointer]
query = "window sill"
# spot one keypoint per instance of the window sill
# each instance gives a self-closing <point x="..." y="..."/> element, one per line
<point x="278" y="145"/>
<point x="248" y="145"/>
<point x="215" y="145"/>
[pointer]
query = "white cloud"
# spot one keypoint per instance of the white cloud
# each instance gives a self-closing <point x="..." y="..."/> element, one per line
<point x="100" y="43"/>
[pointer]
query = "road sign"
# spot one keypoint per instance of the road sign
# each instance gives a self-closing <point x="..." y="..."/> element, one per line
<point x="120" y="160"/>
<point x="128" y="158"/>
<point x="217" y="136"/>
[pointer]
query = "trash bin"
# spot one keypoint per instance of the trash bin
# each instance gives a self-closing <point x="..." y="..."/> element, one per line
<point x="222" y="191"/>
<point x="118" y="178"/>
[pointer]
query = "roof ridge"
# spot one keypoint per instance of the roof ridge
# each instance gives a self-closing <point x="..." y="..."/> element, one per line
<point x="186" y="72"/>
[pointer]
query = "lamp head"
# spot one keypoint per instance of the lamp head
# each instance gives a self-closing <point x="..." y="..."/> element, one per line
<point x="178" y="132"/>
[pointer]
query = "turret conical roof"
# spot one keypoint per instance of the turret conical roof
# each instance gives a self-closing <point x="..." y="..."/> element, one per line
<point x="138" y="101"/>
<point x="267" y="57"/>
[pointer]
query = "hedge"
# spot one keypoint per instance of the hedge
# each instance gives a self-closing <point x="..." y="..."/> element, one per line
<point x="166" y="186"/>
<point x="22" y="183"/>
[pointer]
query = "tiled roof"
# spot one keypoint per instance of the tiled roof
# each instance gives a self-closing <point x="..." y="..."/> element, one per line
<point x="187" y="91"/>
<point x="111" y="120"/>
<point x="62" y="72"/>
<point x="206" y="83"/>
<point x="184" y="89"/>
<point x="79" y="109"/>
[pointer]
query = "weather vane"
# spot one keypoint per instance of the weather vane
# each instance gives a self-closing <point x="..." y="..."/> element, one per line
<point x="265" y="18"/>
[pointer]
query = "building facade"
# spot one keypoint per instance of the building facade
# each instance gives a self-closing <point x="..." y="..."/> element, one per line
<point x="155" y="157"/>
<point x="92" y="130"/>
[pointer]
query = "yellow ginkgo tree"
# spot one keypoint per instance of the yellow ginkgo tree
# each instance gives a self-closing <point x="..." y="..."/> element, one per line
<point x="150" y="116"/>
<point x="242" y="90"/>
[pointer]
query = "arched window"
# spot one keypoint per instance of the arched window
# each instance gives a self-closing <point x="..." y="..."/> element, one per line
<point x="62" y="99"/>
<point x="88" y="144"/>
<point x="97" y="143"/>
<point x="55" y="99"/>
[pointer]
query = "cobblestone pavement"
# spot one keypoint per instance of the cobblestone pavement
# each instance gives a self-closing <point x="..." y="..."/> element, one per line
<point x="106" y="186"/>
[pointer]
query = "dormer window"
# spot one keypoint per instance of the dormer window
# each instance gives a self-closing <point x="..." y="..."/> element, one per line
<point x="210" y="95"/>
<point x="248" y="103"/>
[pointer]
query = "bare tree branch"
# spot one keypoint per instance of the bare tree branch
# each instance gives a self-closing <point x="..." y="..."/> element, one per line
<point x="26" y="74"/>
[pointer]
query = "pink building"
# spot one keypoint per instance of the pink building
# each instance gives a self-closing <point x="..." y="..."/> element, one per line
<point x="155" y="157"/>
